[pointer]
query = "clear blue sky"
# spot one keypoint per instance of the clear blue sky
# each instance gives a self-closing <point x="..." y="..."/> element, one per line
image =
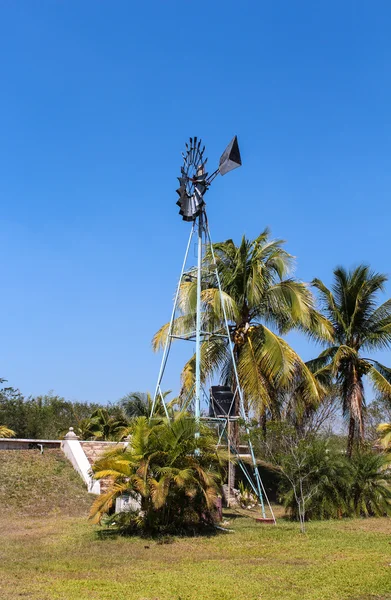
<point x="97" y="100"/>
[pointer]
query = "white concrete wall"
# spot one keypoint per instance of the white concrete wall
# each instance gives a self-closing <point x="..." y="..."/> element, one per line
<point x="74" y="452"/>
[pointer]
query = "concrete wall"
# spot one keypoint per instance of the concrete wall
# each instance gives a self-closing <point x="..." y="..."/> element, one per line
<point x="73" y="450"/>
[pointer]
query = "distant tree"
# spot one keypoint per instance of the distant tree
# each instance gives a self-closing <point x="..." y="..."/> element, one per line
<point x="104" y="426"/>
<point x="13" y="410"/>
<point x="360" y="326"/>
<point x="139" y="404"/>
<point x="377" y="412"/>
<point x="44" y="417"/>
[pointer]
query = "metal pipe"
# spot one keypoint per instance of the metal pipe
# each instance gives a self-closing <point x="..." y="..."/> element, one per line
<point x="167" y="345"/>
<point x="197" y="403"/>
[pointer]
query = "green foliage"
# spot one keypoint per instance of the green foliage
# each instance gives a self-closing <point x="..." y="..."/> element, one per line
<point x="259" y="299"/>
<point x="56" y="558"/>
<point x="315" y="483"/>
<point x="139" y="404"/>
<point x="360" y="326"/>
<point x="35" y="484"/>
<point x="103" y="425"/>
<point x="318" y="481"/>
<point x="377" y="412"/>
<point x="369" y="482"/>
<point x="175" y="477"/>
<point x="42" y="417"/>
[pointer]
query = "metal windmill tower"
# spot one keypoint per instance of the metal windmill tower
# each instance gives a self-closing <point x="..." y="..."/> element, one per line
<point x="194" y="182"/>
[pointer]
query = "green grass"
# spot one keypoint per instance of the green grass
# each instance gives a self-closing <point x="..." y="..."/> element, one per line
<point x="49" y="551"/>
<point x="62" y="558"/>
<point x="40" y="484"/>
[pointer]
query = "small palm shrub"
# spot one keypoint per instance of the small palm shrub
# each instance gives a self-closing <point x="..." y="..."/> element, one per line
<point x="319" y="476"/>
<point x="174" y="476"/>
<point x="341" y="487"/>
<point x="370" y="484"/>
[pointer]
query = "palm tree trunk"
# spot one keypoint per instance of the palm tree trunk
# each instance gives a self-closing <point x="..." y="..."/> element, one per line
<point x="355" y="403"/>
<point x="352" y="428"/>
<point x="262" y="423"/>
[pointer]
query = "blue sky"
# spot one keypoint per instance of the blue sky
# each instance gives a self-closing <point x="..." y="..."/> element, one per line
<point x="97" y="102"/>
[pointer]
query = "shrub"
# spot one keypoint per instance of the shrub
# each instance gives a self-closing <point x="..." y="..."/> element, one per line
<point x="174" y="476"/>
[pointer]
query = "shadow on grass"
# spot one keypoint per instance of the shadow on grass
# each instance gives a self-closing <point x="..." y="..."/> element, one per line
<point x="160" y="537"/>
<point x="166" y="535"/>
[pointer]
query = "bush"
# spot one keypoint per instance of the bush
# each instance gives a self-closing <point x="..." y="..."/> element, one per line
<point x="174" y="476"/>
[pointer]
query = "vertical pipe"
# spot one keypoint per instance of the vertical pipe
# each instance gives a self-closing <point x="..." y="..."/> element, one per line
<point x="197" y="403"/>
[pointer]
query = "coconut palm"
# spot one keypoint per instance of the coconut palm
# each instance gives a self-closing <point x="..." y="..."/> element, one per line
<point x="5" y="432"/>
<point x="173" y="476"/>
<point x="360" y="326"/>
<point x="261" y="303"/>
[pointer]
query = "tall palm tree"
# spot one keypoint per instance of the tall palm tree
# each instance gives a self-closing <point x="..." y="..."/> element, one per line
<point x="261" y="303"/>
<point x="360" y="326"/>
<point x="174" y="476"/>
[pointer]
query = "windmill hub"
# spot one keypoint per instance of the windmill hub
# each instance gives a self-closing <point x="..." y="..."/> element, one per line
<point x="194" y="181"/>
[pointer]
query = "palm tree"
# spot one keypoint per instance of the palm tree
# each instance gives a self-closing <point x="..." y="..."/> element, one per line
<point x="103" y="426"/>
<point x="139" y="404"/>
<point x="359" y="326"/>
<point x="174" y="476"/>
<point x="370" y="489"/>
<point x="261" y="302"/>
<point x="5" y="432"/>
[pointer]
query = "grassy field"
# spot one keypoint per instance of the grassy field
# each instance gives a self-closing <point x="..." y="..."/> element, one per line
<point x="59" y="556"/>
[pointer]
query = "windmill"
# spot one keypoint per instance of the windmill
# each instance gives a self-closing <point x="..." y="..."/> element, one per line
<point x="225" y="405"/>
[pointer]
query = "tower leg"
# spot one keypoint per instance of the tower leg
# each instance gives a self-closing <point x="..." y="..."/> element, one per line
<point x="167" y="345"/>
